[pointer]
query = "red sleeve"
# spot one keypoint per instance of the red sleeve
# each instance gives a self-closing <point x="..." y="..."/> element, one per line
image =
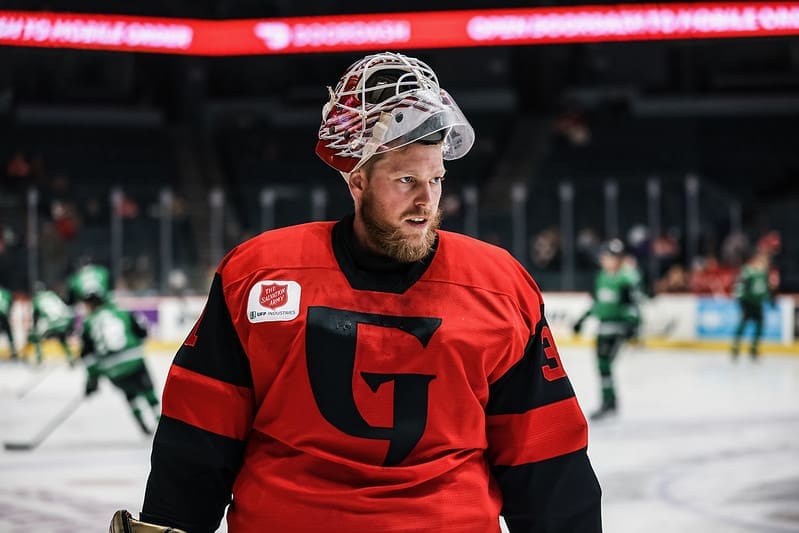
<point x="206" y="416"/>
<point x="538" y="438"/>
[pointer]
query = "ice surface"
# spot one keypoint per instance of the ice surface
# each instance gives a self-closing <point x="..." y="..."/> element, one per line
<point x="701" y="444"/>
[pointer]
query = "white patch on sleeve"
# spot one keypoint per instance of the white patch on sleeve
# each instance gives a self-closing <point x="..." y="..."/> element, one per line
<point x="273" y="301"/>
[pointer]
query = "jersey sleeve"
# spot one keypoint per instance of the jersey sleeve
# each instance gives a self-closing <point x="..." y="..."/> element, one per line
<point x="739" y="288"/>
<point x="207" y="412"/>
<point x="631" y="299"/>
<point x="537" y="444"/>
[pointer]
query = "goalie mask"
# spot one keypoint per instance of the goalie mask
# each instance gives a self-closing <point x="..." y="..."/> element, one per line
<point x="384" y="102"/>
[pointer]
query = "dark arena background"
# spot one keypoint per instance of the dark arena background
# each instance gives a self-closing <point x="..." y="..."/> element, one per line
<point x="152" y="138"/>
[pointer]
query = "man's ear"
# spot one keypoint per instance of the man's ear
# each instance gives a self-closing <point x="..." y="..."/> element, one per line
<point x="357" y="183"/>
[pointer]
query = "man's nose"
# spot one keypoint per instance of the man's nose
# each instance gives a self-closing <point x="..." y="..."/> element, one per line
<point x="424" y="195"/>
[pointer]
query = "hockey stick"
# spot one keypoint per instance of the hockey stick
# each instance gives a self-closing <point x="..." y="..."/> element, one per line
<point x="35" y="380"/>
<point x="51" y="425"/>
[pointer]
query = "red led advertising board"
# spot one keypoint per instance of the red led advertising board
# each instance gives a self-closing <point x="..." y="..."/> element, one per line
<point x="396" y="31"/>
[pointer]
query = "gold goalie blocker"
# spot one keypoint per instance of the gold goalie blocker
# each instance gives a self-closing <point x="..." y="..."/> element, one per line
<point x="123" y="522"/>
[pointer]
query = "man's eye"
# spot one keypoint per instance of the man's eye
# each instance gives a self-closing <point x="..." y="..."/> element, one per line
<point x="438" y="179"/>
<point x="406" y="179"/>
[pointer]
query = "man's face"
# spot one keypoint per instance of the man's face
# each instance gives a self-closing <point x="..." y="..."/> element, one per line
<point x="760" y="262"/>
<point x="610" y="263"/>
<point x="397" y="210"/>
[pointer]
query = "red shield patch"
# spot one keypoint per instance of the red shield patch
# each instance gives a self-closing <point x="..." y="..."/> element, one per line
<point x="273" y="295"/>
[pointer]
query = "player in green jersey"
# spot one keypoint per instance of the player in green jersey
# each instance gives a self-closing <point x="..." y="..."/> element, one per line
<point x="52" y="318"/>
<point x="615" y="305"/>
<point x="6" y="299"/>
<point x="112" y="347"/>
<point x="751" y="291"/>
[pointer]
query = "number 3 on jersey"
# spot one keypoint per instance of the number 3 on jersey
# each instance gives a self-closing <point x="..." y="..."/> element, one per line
<point x="554" y="368"/>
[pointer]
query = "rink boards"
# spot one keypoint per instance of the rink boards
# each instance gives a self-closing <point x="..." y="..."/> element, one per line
<point x="683" y="321"/>
<point x="669" y="321"/>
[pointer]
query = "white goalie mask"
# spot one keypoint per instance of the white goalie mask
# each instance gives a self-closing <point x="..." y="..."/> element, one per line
<point x="384" y="102"/>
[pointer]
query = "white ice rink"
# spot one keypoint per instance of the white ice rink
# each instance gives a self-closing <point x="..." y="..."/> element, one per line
<point x="701" y="445"/>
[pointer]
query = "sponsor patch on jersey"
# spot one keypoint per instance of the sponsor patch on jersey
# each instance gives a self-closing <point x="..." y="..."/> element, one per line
<point x="273" y="301"/>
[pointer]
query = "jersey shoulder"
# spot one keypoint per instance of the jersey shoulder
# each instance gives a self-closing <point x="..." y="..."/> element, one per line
<point x="608" y="279"/>
<point x="468" y="261"/>
<point x="301" y="246"/>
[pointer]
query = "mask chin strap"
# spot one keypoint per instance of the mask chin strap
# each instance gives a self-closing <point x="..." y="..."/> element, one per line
<point x="378" y="136"/>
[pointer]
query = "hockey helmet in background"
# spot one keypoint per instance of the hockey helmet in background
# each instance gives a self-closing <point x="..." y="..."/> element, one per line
<point x="613" y="247"/>
<point x="91" y="282"/>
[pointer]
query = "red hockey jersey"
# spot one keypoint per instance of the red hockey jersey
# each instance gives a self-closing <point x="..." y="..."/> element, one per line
<point x="323" y="398"/>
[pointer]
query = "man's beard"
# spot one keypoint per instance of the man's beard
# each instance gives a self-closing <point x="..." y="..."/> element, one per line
<point x="390" y="239"/>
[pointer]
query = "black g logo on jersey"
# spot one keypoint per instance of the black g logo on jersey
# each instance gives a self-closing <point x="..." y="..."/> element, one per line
<point x="331" y="338"/>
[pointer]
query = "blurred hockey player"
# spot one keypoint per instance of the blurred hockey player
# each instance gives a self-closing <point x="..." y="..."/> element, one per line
<point x="615" y="305"/>
<point x="52" y="319"/>
<point x="6" y="299"/>
<point x="112" y="347"/>
<point x="751" y="292"/>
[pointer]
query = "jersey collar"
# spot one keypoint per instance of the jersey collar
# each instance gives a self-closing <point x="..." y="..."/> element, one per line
<point x="367" y="271"/>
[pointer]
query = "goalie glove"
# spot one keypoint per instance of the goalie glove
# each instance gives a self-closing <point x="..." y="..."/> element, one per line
<point x="123" y="522"/>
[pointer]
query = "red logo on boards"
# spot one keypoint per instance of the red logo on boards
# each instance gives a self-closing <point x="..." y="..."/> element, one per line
<point x="274" y="295"/>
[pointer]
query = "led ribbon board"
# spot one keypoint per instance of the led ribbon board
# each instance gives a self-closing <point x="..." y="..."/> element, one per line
<point x="397" y="31"/>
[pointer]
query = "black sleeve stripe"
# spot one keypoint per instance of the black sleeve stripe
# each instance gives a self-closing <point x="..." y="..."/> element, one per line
<point x="523" y="386"/>
<point x="217" y="351"/>
<point x="191" y="478"/>
<point x="559" y="494"/>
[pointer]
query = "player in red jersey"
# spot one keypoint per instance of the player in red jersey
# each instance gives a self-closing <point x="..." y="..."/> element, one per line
<point x="376" y="373"/>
